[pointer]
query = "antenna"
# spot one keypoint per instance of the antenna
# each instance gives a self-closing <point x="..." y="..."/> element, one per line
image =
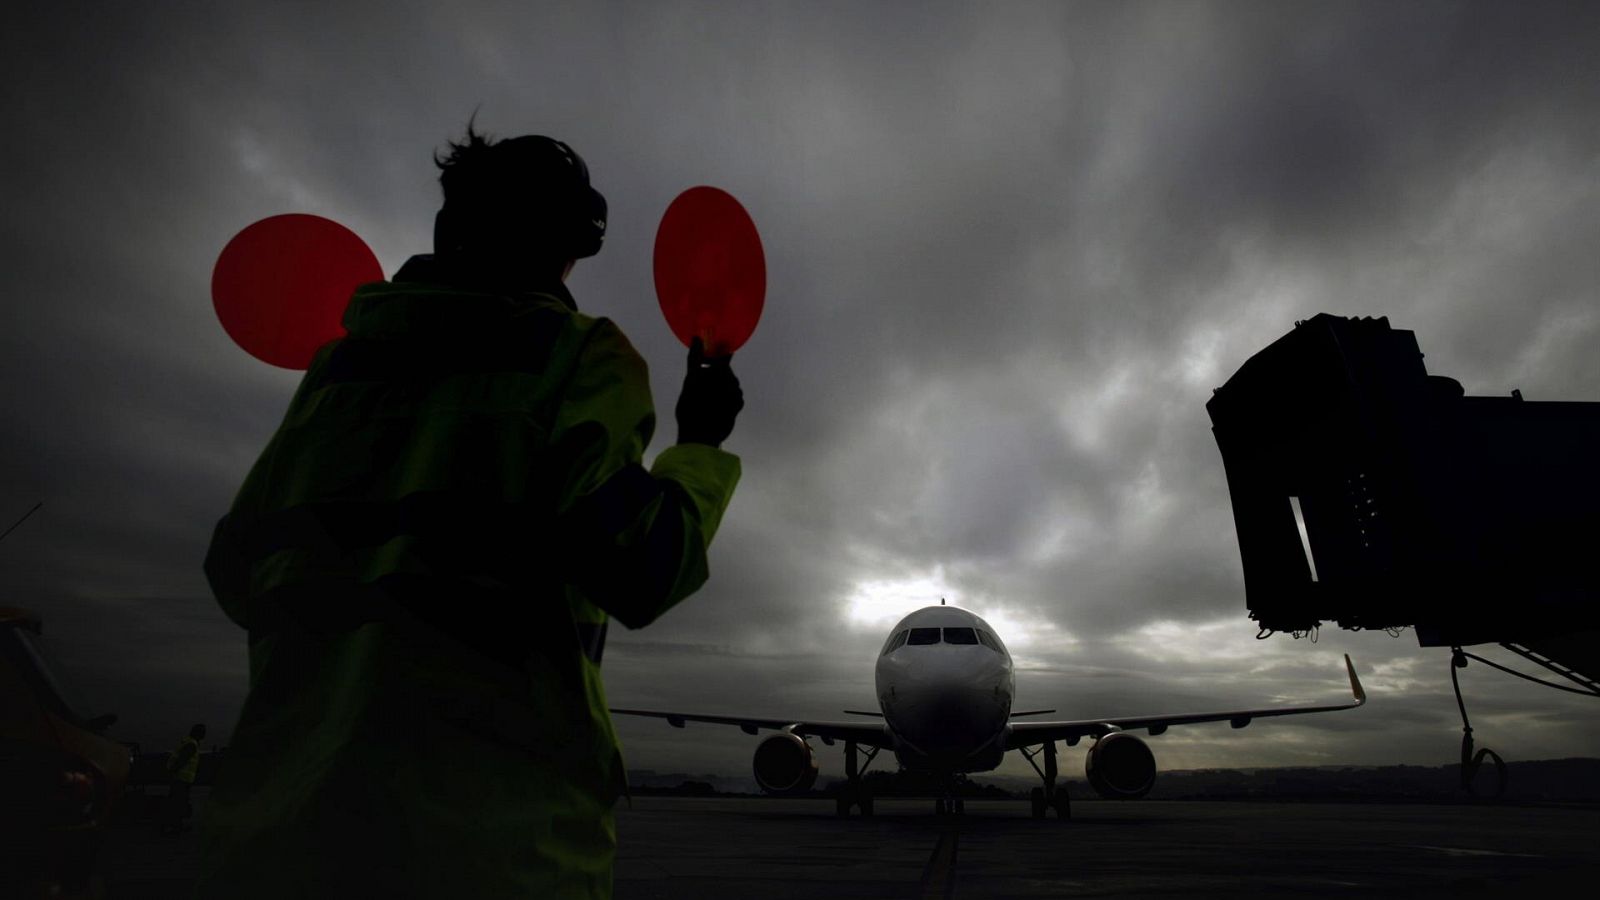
<point x="21" y="520"/>
<point x="941" y="599"/>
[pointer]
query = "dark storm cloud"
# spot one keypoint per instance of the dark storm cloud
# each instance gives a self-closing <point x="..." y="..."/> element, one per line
<point x="1010" y="251"/>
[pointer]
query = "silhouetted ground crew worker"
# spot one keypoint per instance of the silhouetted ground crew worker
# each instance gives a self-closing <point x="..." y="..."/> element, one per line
<point x="183" y="763"/>
<point x="428" y="551"/>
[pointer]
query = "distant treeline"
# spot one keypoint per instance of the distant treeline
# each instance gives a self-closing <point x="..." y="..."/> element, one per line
<point x="1544" y="780"/>
<point x="1573" y="780"/>
<point x="882" y="784"/>
<point x="1568" y="780"/>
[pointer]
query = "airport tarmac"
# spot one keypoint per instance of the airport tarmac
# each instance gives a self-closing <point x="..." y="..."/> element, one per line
<point x="775" y="848"/>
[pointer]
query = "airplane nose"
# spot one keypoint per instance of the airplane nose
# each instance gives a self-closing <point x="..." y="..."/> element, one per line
<point x="952" y="711"/>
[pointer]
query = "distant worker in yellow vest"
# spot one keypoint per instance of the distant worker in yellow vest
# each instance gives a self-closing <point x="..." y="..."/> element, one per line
<point x="183" y="764"/>
<point x="428" y="552"/>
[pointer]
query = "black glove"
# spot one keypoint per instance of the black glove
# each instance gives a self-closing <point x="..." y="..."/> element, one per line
<point x="710" y="399"/>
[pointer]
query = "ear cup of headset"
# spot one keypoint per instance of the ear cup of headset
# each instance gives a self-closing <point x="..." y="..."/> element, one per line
<point x="589" y="228"/>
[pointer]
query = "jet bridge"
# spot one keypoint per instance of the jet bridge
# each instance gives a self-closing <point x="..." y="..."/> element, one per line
<point x="1370" y="494"/>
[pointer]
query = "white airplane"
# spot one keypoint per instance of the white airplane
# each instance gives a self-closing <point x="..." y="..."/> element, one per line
<point x="945" y="683"/>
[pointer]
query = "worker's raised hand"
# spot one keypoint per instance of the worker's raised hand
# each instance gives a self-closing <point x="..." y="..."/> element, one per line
<point x="710" y="400"/>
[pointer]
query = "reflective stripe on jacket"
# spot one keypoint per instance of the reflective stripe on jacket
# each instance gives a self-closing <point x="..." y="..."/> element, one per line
<point x="425" y="557"/>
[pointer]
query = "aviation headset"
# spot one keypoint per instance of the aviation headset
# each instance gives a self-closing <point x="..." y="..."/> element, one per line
<point x="570" y="214"/>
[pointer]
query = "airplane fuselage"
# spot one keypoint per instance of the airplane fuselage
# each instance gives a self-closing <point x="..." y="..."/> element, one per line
<point x="945" y="683"/>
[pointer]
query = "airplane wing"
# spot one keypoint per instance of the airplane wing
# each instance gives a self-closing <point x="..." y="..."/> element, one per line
<point x="867" y="734"/>
<point x="1027" y="734"/>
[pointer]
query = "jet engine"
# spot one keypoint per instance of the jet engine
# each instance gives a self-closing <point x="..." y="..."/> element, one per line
<point x="1121" y="767"/>
<point x="784" y="764"/>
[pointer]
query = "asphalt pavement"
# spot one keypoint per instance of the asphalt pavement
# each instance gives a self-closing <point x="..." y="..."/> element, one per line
<point x="779" y="848"/>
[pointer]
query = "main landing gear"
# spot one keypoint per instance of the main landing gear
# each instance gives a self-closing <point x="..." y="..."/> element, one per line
<point x="1050" y="796"/>
<point x="854" y="792"/>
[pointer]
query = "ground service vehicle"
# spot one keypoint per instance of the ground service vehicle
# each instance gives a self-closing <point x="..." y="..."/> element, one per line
<point x="60" y="776"/>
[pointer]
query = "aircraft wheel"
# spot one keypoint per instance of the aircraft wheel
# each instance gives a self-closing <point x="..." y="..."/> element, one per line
<point x="1063" y="804"/>
<point x="961" y="807"/>
<point x="841" y="807"/>
<point x="938" y="807"/>
<point x="866" y="806"/>
<point x="1036" y="799"/>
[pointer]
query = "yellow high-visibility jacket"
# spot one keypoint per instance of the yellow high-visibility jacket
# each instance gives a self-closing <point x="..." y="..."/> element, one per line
<point x="184" y="766"/>
<point x="425" y="558"/>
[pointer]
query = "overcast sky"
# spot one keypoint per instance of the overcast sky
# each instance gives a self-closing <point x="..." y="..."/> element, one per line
<point x="1011" y="249"/>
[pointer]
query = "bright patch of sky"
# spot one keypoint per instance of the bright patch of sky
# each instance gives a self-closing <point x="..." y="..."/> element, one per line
<point x="879" y="603"/>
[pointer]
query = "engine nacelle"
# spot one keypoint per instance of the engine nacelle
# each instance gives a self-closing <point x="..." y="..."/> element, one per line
<point x="1121" y="767"/>
<point x="784" y="764"/>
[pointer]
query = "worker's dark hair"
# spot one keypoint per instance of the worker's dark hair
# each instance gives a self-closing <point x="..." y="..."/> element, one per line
<point x="197" y="731"/>
<point x="461" y="170"/>
<point x="510" y="193"/>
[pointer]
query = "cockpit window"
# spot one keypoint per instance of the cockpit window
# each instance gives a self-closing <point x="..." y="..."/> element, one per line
<point x="895" y="643"/>
<point x="987" y="639"/>
<point x="960" y="636"/>
<point x="923" y="636"/>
